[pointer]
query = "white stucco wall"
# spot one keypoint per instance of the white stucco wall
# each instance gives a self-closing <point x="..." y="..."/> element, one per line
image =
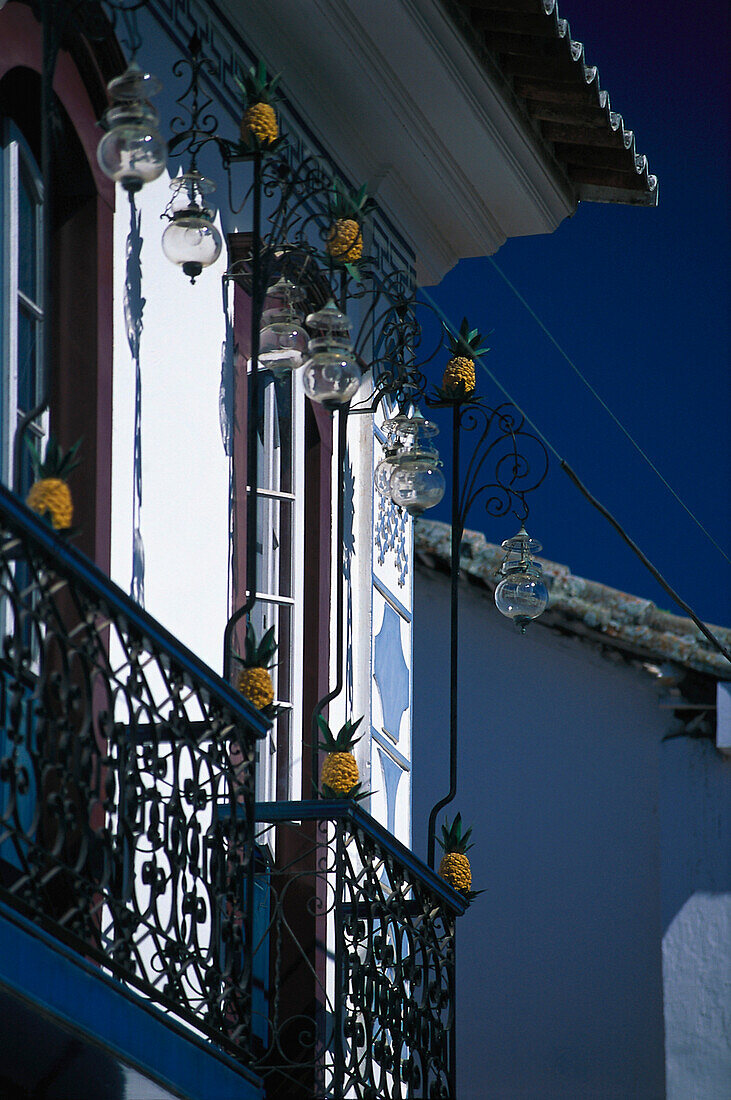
<point x="597" y="964"/>
<point x="696" y="869"/>
<point x="184" y="467"/>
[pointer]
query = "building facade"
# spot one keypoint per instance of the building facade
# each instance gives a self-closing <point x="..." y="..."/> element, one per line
<point x="183" y="914"/>
<point x="594" y="768"/>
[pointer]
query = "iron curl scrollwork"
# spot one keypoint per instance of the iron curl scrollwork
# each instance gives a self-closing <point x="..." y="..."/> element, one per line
<point x="506" y="461"/>
<point x="126" y="785"/>
<point x="376" y="951"/>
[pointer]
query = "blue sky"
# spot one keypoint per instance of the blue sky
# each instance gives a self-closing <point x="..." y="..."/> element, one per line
<point x="638" y="298"/>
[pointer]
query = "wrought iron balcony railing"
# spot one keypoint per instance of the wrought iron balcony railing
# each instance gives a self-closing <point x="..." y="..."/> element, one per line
<point x="126" y="785"/>
<point x="354" y="959"/>
<point x="311" y="945"/>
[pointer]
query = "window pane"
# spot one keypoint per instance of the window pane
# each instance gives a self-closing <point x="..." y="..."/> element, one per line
<point x="275" y="433"/>
<point x="274" y="546"/>
<point x="29" y="335"/>
<point x="27" y="240"/>
<point x="279" y="616"/>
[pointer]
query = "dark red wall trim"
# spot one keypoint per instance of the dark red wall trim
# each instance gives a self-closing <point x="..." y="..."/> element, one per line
<point x="81" y="389"/>
<point x="20" y="35"/>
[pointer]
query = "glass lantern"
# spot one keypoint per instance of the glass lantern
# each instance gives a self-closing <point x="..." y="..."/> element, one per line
<point x="282" y="340"/>
<point x="132" y="151"/>
<point x="397" y="439"/>
<point x="416" y="482"/>
<point x="331" y="375"/>
<point x="521" y="595"/>
<point x="191" y="240"/>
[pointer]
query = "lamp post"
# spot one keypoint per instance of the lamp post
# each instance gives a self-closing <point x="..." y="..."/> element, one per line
<point x="312" y="239"/>
<point x="521" y="594"/>
<point x="307" y="256"/>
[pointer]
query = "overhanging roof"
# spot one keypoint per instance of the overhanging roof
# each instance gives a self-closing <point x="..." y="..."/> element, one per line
<point x="560" y="93"/>
<point x="409" y="97"/>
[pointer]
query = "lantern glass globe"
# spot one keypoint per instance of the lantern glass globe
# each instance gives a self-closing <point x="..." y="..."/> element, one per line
<point x="382" y="476"/>
<point x="192" y="241"/>
<point x="417" y="483"/>
<point x="282" y="339"/>
<point x="282" y="346"/>
<point x="521" y="596"/>
<point x="331" y="376"/>
<point x="132" y="152"/>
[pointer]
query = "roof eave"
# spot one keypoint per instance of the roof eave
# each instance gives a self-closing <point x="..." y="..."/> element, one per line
<point x="560" y="96"/>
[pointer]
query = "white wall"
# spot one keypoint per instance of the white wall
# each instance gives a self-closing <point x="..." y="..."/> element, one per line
<point x="184" y="467"/>
<point x="597" y="964"/>
<point x="695" y="807"/>
<point x="559" y="962"/>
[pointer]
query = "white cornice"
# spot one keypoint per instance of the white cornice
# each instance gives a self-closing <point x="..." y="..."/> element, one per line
<point x="395" y="94"/>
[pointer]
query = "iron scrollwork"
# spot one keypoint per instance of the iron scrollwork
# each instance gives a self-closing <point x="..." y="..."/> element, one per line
<point x="126" y="785"/>
<point x="502" y="445"/>
<point x="373" y="1017"/>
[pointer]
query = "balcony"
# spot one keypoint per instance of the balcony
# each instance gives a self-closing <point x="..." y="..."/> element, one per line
<point x="126" y="826"/>
<point x="155" y="924"/>
<point x="357" y="936"/>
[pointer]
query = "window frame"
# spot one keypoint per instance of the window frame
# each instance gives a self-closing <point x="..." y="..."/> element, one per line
<point x="17" y="166"/>
<point x="279" y="777"/>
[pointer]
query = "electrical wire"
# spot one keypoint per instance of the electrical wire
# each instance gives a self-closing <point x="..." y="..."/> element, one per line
<point x="576" y="481"/>
<point x="645" y="561"/>
<point x="625" y="431"/>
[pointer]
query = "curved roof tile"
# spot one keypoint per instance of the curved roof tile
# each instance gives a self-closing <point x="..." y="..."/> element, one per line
<point x="587" y="608"/>
<point x="561" y="96"/>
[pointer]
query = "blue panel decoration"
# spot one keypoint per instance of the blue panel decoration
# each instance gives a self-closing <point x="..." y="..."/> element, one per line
<point x="391" y="777"/>
<point x="391" y="672"/>
<point x="390" y="534"/>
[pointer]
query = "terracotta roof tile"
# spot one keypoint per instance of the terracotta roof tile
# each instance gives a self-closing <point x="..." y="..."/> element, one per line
<point x="584" y="607"/>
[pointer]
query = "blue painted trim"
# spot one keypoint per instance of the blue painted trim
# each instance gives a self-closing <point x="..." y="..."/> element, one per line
<point x="379" y="433"/>
<point x="392" y="773"/>
<point x="60" y="983"/>
<point x="390" y="598"/>
<point x="390" y="671"/>
<point x="382" y="738"/>
<point x="344" y="810"/>
<point x="91" y="577"/>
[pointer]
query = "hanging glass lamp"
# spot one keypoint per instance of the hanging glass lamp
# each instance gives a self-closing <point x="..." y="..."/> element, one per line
<point x="416" y="482"/>
<point x="521" y="595"/>
<point x="331" y="375"/>
<point x="132" y="150"/>
<point x="191" y="240"/>
<point x="282" y="340"/>
<point x="398" y="437"/>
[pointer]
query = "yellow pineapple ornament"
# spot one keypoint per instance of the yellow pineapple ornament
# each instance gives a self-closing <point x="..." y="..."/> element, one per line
<point x="340" y="777"/>
<point x="458" y="382"/>
<point x="49" y="495"/>
<point x="344" y="241"/>
<point x="455" y="866"/>
<point x="255" y="682"/>
<point x="259" y="126"/>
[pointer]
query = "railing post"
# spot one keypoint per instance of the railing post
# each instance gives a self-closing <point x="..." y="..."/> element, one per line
<point x="338" y="1088"/>
<point x="452" y="1069"/>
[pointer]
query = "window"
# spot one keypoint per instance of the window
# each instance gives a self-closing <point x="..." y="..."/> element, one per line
<point x="21" y="318"/>
<point x="279" y="572"/>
